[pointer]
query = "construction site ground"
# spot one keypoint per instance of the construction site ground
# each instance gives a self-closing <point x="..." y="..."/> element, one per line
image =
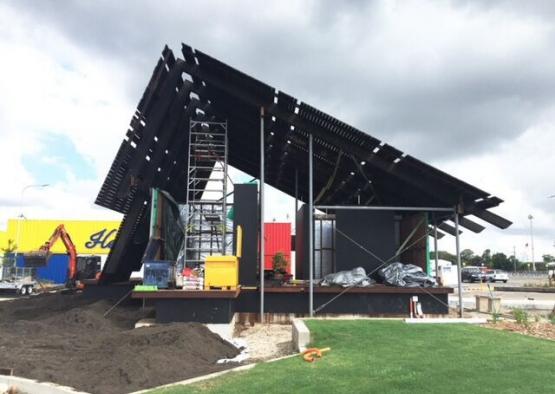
<point x="266" y="341"/>
<point x="66" y="339"/>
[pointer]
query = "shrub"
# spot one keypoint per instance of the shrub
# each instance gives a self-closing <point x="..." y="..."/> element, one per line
<point x="521" y="316"/>
<point x="279" y="263"/>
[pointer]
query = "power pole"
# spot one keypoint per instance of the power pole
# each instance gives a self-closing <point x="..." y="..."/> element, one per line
<point x="514" y="257"/>
<point x="532" y="241"/>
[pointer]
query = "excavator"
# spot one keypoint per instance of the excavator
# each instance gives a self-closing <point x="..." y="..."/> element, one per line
<point x="41" y="257"/>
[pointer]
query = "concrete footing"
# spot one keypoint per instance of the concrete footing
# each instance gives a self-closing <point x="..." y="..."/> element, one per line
<point x="301" y="335"/>
<point x="487" y="304"/>
<point x="224" y="330"/>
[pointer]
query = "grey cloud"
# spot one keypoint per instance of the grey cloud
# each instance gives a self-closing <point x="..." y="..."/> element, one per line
<point x="471" y="103"/>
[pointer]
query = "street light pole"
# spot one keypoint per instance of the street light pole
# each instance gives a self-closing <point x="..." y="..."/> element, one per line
<point x="531" y="218"/>
<point x="20" y="216"/>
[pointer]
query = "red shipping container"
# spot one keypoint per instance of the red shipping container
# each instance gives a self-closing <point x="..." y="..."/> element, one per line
<point x="277" y="238"/>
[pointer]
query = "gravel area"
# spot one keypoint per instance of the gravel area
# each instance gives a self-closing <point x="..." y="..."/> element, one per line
<point x="266" y="341"/>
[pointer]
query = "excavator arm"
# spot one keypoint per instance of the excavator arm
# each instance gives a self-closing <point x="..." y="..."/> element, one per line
<point x="61" y="233"/>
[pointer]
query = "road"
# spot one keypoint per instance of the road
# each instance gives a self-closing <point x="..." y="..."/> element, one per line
<point x="509" y="299"/>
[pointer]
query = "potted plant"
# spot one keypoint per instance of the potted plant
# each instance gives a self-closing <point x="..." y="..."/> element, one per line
<point x="279" y="265"/>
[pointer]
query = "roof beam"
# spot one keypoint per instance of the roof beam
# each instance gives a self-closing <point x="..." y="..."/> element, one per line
<point x="448" y="229"/>
<point x="492" y="218"/>
<point x="434" y="190"/>
<point x="470" y="225"/>
<point x="293" y="119"/>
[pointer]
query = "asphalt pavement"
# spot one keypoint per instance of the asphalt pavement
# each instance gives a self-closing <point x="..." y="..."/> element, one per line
<point x="509" y="299"/>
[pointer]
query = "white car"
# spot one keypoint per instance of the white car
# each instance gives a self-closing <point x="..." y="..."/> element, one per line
<point x="497" y="276"/>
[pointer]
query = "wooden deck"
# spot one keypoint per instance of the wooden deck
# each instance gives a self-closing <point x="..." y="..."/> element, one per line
<point x="231" y="294"/>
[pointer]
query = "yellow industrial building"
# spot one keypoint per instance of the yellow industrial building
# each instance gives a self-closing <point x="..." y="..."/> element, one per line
<point x="91" y="237"/>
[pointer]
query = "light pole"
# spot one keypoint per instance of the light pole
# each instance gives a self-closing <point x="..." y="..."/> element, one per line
<point x="20" y="216"/>
<point x="532" y="241"/>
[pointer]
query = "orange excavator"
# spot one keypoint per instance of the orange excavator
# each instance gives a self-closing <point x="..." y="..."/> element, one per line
<point x="41" y="257"/>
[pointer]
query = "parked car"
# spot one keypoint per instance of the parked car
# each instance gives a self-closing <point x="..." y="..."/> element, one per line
<point x="472" y="274"/>
<point x="497" y="276"/>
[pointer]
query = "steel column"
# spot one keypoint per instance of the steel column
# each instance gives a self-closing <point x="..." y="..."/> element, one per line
<point x="436" y="253"/>
<point x="310" y="230"/>
<point x="459" y="268"/>
<point x="296" y="192"/>
<point x="261" y="252"/>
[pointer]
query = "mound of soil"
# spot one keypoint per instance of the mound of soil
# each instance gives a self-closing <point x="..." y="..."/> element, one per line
<point x="65" y="339"/>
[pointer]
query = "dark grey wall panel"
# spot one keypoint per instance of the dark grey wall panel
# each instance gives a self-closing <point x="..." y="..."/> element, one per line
<point x="301" y="243"/>
<point x="245" y="207"/>
<point x="372" y="229"/>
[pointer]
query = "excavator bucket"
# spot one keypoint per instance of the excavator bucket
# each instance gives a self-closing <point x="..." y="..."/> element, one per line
<point x="36" y="259"/>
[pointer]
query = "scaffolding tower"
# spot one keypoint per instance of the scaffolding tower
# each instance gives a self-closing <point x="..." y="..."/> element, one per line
<point x="206" y="230"/>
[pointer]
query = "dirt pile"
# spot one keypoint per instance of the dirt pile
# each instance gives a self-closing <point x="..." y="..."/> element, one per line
<point x="65" y="339"/>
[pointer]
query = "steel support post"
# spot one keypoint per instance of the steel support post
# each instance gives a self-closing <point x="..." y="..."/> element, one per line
<point x="459" y="268"/>
<point x="296" y="192"/>
<point x="310" y="230"/>
<point x="436" y="253"/>
<point x="261" y="196"/>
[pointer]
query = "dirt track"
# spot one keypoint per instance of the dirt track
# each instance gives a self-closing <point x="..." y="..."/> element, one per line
<point x="65" y="339"/>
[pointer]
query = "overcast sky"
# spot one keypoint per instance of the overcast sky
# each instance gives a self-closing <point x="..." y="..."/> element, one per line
<point x="468" y="86"/>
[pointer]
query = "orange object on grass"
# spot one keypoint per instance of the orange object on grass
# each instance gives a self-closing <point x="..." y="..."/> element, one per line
<point x="312" y="354"/>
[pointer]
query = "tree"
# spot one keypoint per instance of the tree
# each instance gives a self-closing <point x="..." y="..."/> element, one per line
<point x="10" y="248"/>
<point x="486" y="258"/>
<point x="500" y="261"/>
<point x="467" y="256"/>
<point x="476" y="260"/>
<point x="443" y="255"/>
<point x="548" y="258"/>
<point x="515" y="263"/>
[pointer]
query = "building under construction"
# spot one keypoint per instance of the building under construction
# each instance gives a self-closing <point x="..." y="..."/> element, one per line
<point x="360" y="203"/>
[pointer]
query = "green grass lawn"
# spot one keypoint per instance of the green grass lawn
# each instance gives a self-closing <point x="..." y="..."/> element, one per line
<point x="394" y="357"/>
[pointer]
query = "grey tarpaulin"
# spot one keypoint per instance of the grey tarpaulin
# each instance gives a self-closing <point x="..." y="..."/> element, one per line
<point x="405" y="275"/>
<point x="355" y="277"/>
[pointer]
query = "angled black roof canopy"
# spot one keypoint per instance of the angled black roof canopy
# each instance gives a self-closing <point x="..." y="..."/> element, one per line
<point x="349" y="165"/>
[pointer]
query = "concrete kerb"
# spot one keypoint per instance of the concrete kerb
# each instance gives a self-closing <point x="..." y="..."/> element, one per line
<point x="25" y="385"/>
<point x="468" y="320"/>
<point x="198" y="379"/>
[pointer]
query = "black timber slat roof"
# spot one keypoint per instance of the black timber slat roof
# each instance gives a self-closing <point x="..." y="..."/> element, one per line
<point x="349" y="164"/>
